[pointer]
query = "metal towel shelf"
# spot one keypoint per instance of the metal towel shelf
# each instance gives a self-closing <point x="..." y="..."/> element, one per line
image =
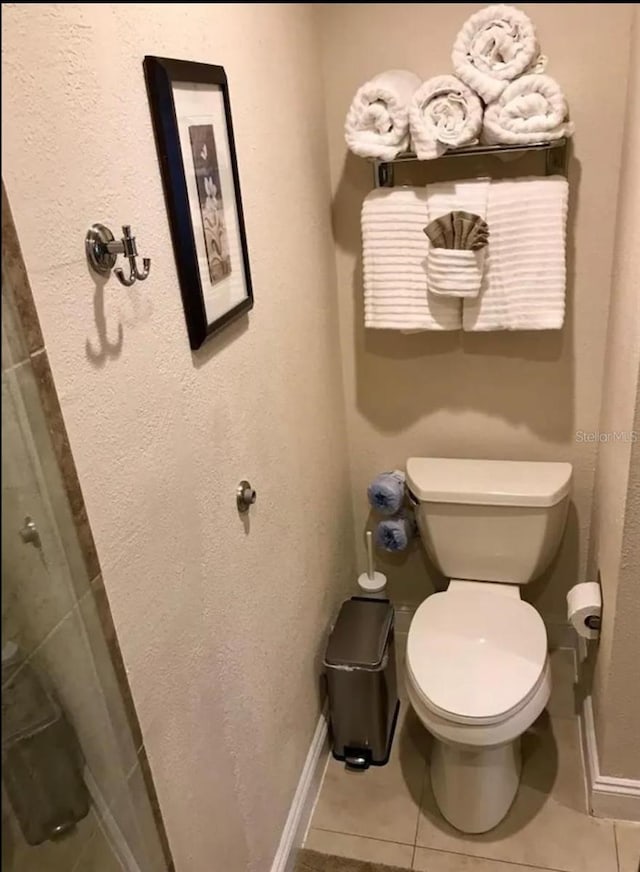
<point x="555" y="158"/>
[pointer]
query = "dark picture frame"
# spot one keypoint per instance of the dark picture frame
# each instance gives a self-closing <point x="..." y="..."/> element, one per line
<point x="202" y="192"/>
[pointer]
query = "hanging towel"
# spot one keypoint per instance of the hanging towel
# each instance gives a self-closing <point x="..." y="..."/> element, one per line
<point x="394" y="254"/>
<point x="452" y="273"/>
<point x="525" y="277"/>
<point x="377" y="123"/>
<point x="443" y="114"/>
<point x="386" y="492"/>
<point x="394" y="534"/>
<point x="455" y="273"/>
<point x="531" y="109"/>
<point x="495" y="46"/>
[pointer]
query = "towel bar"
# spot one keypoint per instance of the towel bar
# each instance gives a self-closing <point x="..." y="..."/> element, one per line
<point x="555" y="158"/>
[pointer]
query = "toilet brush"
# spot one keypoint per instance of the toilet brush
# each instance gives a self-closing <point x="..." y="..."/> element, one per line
<point x="371" y="582"/>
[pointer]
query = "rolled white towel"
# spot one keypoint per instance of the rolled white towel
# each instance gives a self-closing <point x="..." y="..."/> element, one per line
<point x="494" y="47"/>
<point x="531" y="109"/>
<point x="443" y="113"/>
<point x="377" y="123"/>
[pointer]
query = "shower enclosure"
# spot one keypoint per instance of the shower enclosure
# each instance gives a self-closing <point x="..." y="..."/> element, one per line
<point x="77" y="794"/>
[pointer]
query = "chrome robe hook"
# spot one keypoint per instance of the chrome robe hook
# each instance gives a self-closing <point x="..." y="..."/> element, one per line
<point x="102" y="249"/>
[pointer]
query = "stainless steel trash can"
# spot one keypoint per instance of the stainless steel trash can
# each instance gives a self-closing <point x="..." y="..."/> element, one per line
<point x="360" y="665"/>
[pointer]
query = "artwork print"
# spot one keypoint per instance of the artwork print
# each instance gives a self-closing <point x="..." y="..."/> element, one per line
<point x="205" y="164"/>
<point x="191" y="114"/>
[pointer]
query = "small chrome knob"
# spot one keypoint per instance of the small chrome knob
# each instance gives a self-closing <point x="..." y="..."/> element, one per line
<point x="245" y="496"/>
<point x="29" y="532"/>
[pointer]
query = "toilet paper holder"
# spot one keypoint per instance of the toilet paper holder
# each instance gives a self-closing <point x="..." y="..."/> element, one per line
<point x="584" y="608"/>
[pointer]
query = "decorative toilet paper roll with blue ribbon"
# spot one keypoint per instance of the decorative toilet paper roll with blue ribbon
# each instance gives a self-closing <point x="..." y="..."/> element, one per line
<point x="386" y="492"/>
<point x="394" y="534"/>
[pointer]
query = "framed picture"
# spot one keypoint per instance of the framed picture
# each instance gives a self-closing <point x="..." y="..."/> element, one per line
<point x="194" y="136"/>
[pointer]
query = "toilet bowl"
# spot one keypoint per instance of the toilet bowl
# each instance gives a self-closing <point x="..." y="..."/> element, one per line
<point x="477" y="674"/>
<point x="477" y="668"/>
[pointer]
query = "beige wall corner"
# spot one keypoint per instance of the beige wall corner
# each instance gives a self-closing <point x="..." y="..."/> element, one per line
<point x="616" y="506"/>
<point x="221" y="625"/>
<point x="497" y="395"/>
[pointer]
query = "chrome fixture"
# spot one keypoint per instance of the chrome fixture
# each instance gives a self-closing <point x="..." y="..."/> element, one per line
<point x="102" y="249"/>
<point x="555" y="158"/>
<point x="245" y="496"/>
<point x="29" y="532"/>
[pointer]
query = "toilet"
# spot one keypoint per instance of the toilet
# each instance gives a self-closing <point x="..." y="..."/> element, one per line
<point x="477" y="667"/>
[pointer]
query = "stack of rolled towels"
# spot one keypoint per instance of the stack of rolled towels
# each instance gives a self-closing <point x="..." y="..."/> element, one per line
<point x="498" y="95"/>
<point x="386" y="495"/>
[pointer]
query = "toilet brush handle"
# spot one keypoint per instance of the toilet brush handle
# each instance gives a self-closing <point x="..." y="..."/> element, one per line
<point x="370" y="567"/>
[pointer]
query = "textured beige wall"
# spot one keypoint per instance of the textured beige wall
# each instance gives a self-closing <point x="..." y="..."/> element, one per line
<point x="220" y="623"/>
<point x="495" y="395"/>
<point x="617" y="701"/>
<point x="616" y="526"/>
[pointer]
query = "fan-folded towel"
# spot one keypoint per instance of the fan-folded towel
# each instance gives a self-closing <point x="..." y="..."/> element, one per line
<point x="531" y="109"/>
<point x="444" y="113"/>
<point x="377" y="123"/>
<point x="495" y="46"/>
<point x="451" y="273"/>
<point x="394" y="253"/>
<point x="525" y="269"/>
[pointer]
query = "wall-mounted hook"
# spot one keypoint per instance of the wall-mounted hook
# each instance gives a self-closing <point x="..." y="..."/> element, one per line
<point x="102" y="249"/>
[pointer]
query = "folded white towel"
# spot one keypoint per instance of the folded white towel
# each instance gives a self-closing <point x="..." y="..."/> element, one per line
<point x="377" y="123"/>
<point x="495" y="46"/>
<point x="452" y="273"/>
<point x="469" y="195"/>
<point x="531" y="109"/>
<point x="455" y="272"/>
<point x="525" y="275"/>
<point x="443" y="114"/>
<point x="394" y="253"/>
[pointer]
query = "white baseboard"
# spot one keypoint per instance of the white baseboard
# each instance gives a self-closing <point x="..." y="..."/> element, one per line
<point x="608" y="796"/>
<point x="109" y="825"/>
<point x="304" y="799"/>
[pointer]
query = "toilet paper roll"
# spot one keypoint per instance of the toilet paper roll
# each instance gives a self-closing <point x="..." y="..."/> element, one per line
<point x="584" y="604"/>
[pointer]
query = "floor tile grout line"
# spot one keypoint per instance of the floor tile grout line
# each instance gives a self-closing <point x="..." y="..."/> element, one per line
<point x="537" y="868"/>
<point x="425" y="775"/>
<point x="360" y="836"/>
<point x="615" y="843"/>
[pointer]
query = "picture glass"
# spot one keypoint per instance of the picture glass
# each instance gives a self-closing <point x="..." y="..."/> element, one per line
<point x="206" y="157"/>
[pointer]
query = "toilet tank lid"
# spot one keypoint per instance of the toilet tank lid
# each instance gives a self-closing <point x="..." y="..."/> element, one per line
<point x="488" y="482"/>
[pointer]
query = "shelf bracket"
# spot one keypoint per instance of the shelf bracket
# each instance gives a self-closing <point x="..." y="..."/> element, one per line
<point x="382" y="174"/>
<point x="556" y="160"/>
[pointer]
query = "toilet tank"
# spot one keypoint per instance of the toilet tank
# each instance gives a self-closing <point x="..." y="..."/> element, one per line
<point x="490" y="520"/>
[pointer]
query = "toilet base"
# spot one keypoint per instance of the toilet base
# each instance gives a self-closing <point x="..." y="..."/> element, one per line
<point x="475" y="787"/>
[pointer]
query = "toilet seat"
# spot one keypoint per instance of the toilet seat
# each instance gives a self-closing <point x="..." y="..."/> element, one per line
<point x="476" y="658"/>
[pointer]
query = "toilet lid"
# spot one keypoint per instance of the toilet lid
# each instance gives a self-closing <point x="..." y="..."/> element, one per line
<point x="476" y="656"/>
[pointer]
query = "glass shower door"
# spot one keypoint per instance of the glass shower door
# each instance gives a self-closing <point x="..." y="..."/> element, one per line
<point x="74" y="794"/>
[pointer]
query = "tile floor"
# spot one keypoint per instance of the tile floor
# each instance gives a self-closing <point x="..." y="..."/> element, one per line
<point x="388" y="814"/>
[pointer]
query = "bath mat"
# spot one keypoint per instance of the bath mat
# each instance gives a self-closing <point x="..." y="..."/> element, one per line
<point x="312" y="861"/>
